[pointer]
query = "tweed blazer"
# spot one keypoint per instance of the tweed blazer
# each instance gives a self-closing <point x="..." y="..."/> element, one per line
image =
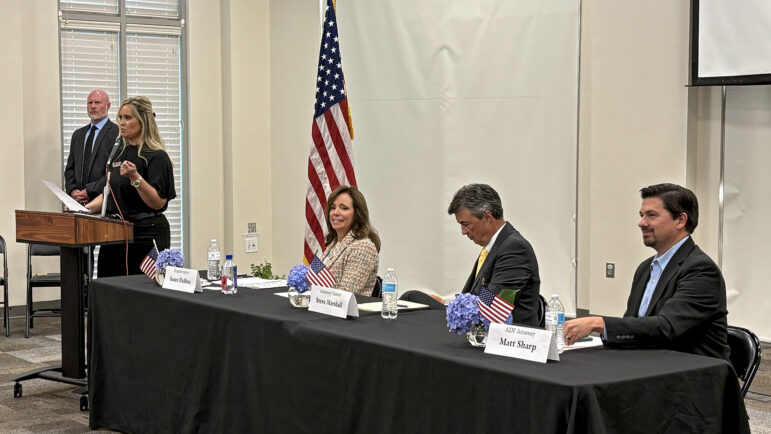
<point x="353" y="263"/>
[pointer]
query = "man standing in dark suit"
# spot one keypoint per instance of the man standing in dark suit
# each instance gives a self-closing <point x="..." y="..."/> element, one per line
<point x="678" y="298"/>
<point x="89" y="149"/>
<point x="507" y="260"/>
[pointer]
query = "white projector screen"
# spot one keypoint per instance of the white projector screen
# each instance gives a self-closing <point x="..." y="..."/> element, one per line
<point x="746" y="232"/>
<point x="730" y="43"/>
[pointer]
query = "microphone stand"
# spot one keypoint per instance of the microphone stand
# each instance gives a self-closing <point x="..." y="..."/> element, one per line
<point x="106" y="190"/>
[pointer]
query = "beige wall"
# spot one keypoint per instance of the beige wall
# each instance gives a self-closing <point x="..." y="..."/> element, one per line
<point x="230" y="138"/>
<point x="250" y="105"/>
<point x="31" y="146"/>
<point x="229" y="126"/>
<point x="634" y="123"/>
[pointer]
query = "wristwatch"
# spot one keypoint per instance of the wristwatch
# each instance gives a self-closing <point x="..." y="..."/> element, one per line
<point x="137" y="183"/>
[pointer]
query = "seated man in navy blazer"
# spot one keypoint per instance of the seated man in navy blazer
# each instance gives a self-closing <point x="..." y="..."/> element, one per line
<point x="507" y="260"/>
<point x="678" y="298"/>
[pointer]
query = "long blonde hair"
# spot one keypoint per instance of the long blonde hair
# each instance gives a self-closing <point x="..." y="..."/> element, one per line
<point x="142" y="108"/>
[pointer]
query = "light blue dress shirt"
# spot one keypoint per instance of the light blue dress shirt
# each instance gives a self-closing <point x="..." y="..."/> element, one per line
<point x="657" y="266"/>
<point x="99" y="127"/>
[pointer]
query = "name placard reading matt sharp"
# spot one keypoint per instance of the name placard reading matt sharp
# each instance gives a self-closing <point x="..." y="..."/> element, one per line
<point x="182" y="279"/>
<point x="331" y="301"/>
<point x="521" y="343"/>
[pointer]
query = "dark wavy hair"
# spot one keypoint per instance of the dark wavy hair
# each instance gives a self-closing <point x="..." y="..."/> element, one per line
<point x="677" y="200"/>
<point x="361" y="227"/>
<point x="478" y="198"/>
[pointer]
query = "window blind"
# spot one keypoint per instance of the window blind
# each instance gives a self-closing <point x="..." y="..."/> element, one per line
<point x="104" y="6"/>
<point x="92" y="57"/>
<point x="153" y="70"/>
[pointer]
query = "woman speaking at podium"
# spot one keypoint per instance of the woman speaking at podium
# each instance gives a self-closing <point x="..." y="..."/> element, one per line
<point x="141" y="184"/>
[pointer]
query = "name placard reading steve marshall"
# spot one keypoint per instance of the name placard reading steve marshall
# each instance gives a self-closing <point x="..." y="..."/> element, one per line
<point x="331" y="301"/>
<point x="521" y="342"/>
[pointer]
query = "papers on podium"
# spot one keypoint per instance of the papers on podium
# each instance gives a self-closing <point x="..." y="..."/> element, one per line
<point x="68" y="201"/>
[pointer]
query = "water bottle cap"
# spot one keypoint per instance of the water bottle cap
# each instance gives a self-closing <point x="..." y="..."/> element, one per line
<point x="555" y="296"/>
<point x="213" y="240"/>
<point x="389" y="269"/>
<point x="228" y="257"/>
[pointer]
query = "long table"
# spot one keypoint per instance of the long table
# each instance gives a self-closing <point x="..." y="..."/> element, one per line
<point x="166" y="361"/>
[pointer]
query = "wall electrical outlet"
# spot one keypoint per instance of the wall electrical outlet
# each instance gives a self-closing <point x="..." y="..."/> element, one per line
<point x="610" y="270"/>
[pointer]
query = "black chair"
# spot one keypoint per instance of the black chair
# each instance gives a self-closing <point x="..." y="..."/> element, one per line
<point x="40" y="280"/>
<point x="378" y="287"/>
<point x="541" y="311"/>
<point x="4" y="282"/>
<point x="745" y="355"/>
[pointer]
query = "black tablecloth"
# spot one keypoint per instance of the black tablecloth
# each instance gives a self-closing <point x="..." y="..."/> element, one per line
<point x="166" y="361"/>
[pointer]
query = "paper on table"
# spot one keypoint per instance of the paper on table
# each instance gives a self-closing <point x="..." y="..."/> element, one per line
<point x="259" y="283"/>
<point x="595" y="342"/>
<point x="69" y="202"/>
<point x="403" y="305"/>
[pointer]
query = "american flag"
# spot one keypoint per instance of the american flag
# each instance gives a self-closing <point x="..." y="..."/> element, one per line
<point x="330" y="163"/>
<point x="319" y="274"/>
<point x="492" y="307"/>
<point x="148" y="264"/>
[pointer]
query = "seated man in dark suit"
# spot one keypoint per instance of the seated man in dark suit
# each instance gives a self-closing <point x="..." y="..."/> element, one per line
<point x="507" y="260"/>
<point x="678" y="298"/>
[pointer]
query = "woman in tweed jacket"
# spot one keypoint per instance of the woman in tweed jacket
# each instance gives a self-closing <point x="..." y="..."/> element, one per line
<point x="352" y="243"/>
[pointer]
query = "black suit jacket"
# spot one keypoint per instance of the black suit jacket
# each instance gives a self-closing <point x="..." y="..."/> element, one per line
<point x="687" y="311"/>
<point x="93" y="181"/>
<point x="511" y="264"/>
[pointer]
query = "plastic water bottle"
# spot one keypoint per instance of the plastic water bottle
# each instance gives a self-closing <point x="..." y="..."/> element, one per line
<point x="229" y="276"/>
<point x="213" y="255"/>
<point x="555" y="320"/>
<point x="390" y="293"/>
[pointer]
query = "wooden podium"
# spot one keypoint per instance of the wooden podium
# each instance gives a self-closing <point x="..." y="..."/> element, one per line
<point x="71" y="232"/>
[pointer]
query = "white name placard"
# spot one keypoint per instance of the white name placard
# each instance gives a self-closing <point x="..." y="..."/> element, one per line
<point x="521" y="342"/>
<point x="331" y="301"/>
<point x="182" y="279"/>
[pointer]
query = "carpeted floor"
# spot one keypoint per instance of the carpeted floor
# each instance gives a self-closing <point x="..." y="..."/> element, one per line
<point x="47" y="406"/>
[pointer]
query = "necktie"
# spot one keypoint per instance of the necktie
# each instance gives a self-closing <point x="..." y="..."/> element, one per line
<point x="86" y="166"/>
<point x="481" y="260"/>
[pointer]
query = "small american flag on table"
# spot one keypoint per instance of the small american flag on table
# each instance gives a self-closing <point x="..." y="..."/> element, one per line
<point x="148" y="264"/>
<point x="319" y="274"/>
<point x="492" y="307"/>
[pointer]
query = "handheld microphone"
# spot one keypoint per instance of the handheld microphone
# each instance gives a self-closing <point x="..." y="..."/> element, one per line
<point x="115" y="147"/>
<point x="106" y="191"/>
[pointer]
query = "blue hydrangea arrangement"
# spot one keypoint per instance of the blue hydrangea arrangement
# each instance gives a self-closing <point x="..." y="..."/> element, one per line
<point x="462" y="313"/>
<point x="297" y="278"/>
<point x="169" y="258"/>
